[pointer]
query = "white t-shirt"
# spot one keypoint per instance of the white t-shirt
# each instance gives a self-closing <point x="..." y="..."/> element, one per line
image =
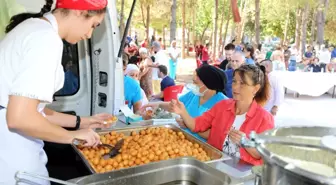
<point x="294" y="54"/>
<point x="30" y="66"/>
<point x="160" y="58"/>
<point x="30" y="60"/>
<point x="229" y="147"/>
<point x="279" y="65"/>
<point x="324" y="56"/>
<point x="175" y="52"/>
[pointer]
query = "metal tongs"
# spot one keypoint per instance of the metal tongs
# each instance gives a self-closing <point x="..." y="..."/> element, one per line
<point x="114" y="150"/>
<point x="256" y="140"/>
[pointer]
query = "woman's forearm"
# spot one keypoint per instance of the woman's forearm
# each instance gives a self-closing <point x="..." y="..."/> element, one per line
<point x="253" y="152"/>
<point x="188" y="120"/>
<point x="63" y="120"/>
<point x="205" y="134"/>
<point x="22" y="116"/>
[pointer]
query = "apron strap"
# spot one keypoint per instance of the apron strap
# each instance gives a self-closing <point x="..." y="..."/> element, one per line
<point x="1" y="107"/>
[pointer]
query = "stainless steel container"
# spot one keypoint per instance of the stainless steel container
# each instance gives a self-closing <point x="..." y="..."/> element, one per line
<point x="212" y="152"/>
<point x="278" y="171"/>
<point x="183" y="171"/>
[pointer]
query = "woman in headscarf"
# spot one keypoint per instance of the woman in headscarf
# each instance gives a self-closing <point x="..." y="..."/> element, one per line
<point x="206" y="90"/>
<point x="232" y="119"/>
<point x="174" y="54"/>
<point x="146" y="73"/>
<point x="133" y="71"/>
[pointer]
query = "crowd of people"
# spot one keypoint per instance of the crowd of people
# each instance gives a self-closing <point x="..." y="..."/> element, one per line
<point x="224" y="103"/>
<point x="237" y="93"/>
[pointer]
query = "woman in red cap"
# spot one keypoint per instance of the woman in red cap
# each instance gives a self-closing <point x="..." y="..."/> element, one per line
<point x="30" y="73"/>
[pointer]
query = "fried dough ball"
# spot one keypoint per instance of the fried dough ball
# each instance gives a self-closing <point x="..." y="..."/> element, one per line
<point x="147" y="145"/>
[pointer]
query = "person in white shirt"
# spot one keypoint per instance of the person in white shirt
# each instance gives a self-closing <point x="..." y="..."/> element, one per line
<point x="31" y="72"/>
<point x="161" y="58"/>
<point x="324" y="56"/>
<point x="277" y="93"/>
<point x="174" y="54"/>
<point x="293" y="58"/>
<point x="277" y="61"/>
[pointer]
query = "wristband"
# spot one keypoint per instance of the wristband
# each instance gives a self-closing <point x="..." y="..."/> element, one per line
<point x="78" y="121"/>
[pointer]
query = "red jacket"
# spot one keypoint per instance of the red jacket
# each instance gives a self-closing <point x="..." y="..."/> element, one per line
<point x="221" y="117"/>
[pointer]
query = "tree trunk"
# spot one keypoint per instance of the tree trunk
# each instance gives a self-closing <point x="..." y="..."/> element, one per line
<point x="183" y="27"/>
<point x="240" y="25"/>
<point x="242" y="33"/>
<point x="130" y="30"/>
<point x="203" y="32"/>
<point x="122" y="24"/>
<point x="257" y="21"/>
<point x="188" y="41"/>
<point x="220" y="43"/>
<point x="214" y="37"/>
<point x="226" y="31"/>
<point x="286" y="28"/>
<point x="147" y="25"/>
<point x="304" y="28"/>
<point x="164" y="37"/>
<point x="194" y="23"/>
<point x="173" y="21"/>
<point x="233" y="31"/>
<point x="321" y="18"/>
<point x="298" y="27"/>
<point x="313" y="28"/>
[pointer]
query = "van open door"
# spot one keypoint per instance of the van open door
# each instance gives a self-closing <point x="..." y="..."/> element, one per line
<point x="100" y="70"/>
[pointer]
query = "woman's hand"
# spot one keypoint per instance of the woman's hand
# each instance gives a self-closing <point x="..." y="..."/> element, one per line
<point x="177" y="107"/>
<point x="90" y="137"/>
<point x="96" y="121"/>
<point x="152" y="106"/>
<point x="236" y="135"/>
<point x="147" y="111"/>
<point x="180" y="122"/>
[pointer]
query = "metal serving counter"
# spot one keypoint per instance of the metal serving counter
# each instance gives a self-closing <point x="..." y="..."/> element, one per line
<point x="236" y="169"/>
<point x="170" y="172"/>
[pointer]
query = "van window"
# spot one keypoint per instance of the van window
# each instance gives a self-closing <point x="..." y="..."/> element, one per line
<point x="71" y="70"/>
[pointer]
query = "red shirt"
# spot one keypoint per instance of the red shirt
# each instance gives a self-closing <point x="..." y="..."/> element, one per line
<point x="205" y="54"/>
<point x="221" y="117"/>
<point x="198" y="50"/>
<point x="144" y="44"/>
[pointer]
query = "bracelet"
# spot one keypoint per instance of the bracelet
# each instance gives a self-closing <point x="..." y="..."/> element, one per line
<point x="78" y="121"/>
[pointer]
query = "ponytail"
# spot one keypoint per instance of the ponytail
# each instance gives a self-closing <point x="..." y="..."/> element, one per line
<point x="17" y="19"/>
<point x="263" y="94"/>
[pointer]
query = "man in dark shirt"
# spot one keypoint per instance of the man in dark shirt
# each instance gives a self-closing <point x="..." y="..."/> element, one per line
<point x="238" y="58"/>
<point x="309" y="53"/>
<point x="315" y="66"/>
<point x="165" y="82"/>
<point x="229" y="49"/>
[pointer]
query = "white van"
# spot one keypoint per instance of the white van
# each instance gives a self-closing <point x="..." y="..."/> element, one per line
<point x="94" y="72"/>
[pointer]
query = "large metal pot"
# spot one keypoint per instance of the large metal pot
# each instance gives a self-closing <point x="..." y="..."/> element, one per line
<point x="278" y="171"/>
